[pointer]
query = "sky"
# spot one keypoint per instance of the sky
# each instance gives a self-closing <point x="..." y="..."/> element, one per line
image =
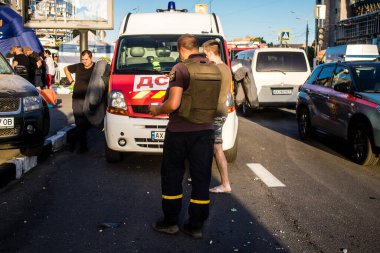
<point x="239" y="18"/>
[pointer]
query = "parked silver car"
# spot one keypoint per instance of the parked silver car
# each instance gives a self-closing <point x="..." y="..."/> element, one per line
<point x="343" y="99"/>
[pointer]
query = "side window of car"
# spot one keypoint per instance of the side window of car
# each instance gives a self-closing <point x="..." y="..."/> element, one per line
<point x="341" y="75"/>
<point x="324" y="78"/>
<point x="313" y="77"/>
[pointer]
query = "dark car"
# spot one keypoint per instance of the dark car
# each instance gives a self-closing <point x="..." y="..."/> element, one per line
<point x="24" y="115"/>
<point x="343" y="99"/>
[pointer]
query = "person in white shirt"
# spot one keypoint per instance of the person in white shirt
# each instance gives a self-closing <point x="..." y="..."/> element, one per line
<point x="50" y="69"/>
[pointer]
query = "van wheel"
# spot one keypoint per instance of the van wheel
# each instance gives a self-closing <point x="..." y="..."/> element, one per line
<point x="112" y="156"/>
<point x="360" y="145"/>
<point x="232" y="153"/>
<point x="304" y="124"/>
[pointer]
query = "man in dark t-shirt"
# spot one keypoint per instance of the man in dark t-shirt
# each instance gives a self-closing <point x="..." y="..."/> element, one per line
<point x="20" y="59"/>
<point x="83" y="73"/>
<point x="184" y="140"/>
<point x="35" y="64"/>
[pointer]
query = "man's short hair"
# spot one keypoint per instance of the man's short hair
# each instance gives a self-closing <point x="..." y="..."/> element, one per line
<point x="88" y="52"/>
<point x="27" y="49"/>
<point x="213" y="46"/>
<point x="187" y="41"/>
<point x="12" y="50"/>
<point x="48" y="52"/>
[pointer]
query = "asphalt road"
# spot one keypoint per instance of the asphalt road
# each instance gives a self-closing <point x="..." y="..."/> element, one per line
<point x="325" y="204"/>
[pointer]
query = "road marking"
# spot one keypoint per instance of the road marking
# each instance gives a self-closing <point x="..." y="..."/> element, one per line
<point x="265" y="175"/>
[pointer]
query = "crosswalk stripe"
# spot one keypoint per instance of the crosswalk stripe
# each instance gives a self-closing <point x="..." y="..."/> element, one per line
<point x="265" y="175"/>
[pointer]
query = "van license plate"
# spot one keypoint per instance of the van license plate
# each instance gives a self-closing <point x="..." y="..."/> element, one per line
<point x="7" y="122"/>
<point x="157" y="136"/>
<point x="282" y="91"/>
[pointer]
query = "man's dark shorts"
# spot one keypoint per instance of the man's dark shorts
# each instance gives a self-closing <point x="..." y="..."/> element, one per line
<point x="218" y="127"/>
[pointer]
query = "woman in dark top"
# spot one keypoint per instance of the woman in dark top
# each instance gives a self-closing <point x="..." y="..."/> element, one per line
<point x="83" y="73"/>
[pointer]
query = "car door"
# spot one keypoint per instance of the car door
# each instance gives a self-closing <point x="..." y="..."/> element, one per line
<point x="319" y="95"/>
<point x="340" y="102"/>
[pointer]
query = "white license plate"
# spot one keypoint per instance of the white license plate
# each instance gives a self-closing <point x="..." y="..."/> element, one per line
<point x="282" y="91"/>
<point x="157" y="136"/>
<point x="7" y="122"/>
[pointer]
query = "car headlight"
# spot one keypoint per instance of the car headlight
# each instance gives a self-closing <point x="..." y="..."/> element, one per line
<point x="32" y="103"/>
<point x="117" y="101"/>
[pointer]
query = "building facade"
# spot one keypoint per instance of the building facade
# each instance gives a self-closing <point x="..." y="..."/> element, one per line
<point x="350" y="22"/>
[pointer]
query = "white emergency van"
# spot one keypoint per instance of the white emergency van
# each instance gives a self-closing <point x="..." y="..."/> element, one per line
<point x="351" y="52"/>
<point x="145" y="53"/>
<point x="277" y="75"/>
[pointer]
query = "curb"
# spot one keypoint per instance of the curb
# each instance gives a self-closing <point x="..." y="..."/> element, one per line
<point x="16" y="167"/>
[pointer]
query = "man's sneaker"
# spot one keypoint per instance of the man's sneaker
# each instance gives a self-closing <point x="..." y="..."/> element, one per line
<point x="193" y="232"/>
<point x="163" y="227"/>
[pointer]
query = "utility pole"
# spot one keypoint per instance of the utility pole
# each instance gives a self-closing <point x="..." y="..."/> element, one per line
<point x="307" y="38"/>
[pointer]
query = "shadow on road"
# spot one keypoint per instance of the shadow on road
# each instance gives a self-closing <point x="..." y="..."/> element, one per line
<point x="65" y="200"/>
<point x="284" y="121"/>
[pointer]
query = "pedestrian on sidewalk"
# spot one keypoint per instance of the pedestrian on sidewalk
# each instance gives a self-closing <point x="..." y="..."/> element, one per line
<point x="212" y="50"/>
<point x="50" y="69"/>
<point x="35" y="64"/>
<point x="20" y="59"/>
<point x="83" y="73"/>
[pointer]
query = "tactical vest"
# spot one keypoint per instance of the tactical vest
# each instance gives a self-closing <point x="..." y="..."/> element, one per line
<point x="200" y="101"/>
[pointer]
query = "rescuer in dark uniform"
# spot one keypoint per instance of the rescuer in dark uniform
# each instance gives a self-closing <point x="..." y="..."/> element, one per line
<point x="184" y="140"/>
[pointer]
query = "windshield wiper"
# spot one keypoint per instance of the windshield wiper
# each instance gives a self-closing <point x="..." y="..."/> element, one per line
<point x="277" y="70"/>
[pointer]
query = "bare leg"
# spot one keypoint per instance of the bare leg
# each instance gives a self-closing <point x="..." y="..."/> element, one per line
<point x="221" y="163"/>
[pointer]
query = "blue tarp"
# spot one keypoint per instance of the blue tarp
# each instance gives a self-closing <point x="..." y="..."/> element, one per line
<point x="13" y="33"/>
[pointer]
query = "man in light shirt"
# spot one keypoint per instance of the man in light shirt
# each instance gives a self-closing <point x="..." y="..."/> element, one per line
<point x="50" y="69"/>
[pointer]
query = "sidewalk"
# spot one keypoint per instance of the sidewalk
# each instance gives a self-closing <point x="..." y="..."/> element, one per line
<point x="13" y="164"/>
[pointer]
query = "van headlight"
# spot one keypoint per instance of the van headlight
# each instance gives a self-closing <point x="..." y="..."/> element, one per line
<point x="32" y="103"/>
<point x="116" y="100"/>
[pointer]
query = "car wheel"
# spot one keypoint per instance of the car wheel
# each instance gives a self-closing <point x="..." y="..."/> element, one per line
<point x="112" y="156"/>
<point x="304" y="124"/>
<point x="360" y="145"/>
<point x="231" y="154"/>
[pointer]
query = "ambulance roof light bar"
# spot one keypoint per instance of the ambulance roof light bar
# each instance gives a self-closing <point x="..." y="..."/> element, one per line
<point x="171" y="8"/>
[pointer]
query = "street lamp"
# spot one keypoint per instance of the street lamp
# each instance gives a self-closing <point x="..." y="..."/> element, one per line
<point x="307" y="33"/>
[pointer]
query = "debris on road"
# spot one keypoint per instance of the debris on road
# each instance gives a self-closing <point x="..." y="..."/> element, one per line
<point x="110" y="224"/>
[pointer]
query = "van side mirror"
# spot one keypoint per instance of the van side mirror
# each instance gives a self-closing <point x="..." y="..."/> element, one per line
<point x="343" y="87"/>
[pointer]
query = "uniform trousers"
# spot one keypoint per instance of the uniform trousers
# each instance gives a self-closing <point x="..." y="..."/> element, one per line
<point x="197" y="148"/>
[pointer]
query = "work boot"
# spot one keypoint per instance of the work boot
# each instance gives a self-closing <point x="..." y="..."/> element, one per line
<point x="195" y="233"/>
<point x="166" y="228"/>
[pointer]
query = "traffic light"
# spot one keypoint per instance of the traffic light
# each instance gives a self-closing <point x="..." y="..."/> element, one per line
<point x="321" y="35"/>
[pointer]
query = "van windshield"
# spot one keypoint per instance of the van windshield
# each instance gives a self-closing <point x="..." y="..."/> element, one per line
<point x="281" y="61"/>
<point x="153" y="53"/>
